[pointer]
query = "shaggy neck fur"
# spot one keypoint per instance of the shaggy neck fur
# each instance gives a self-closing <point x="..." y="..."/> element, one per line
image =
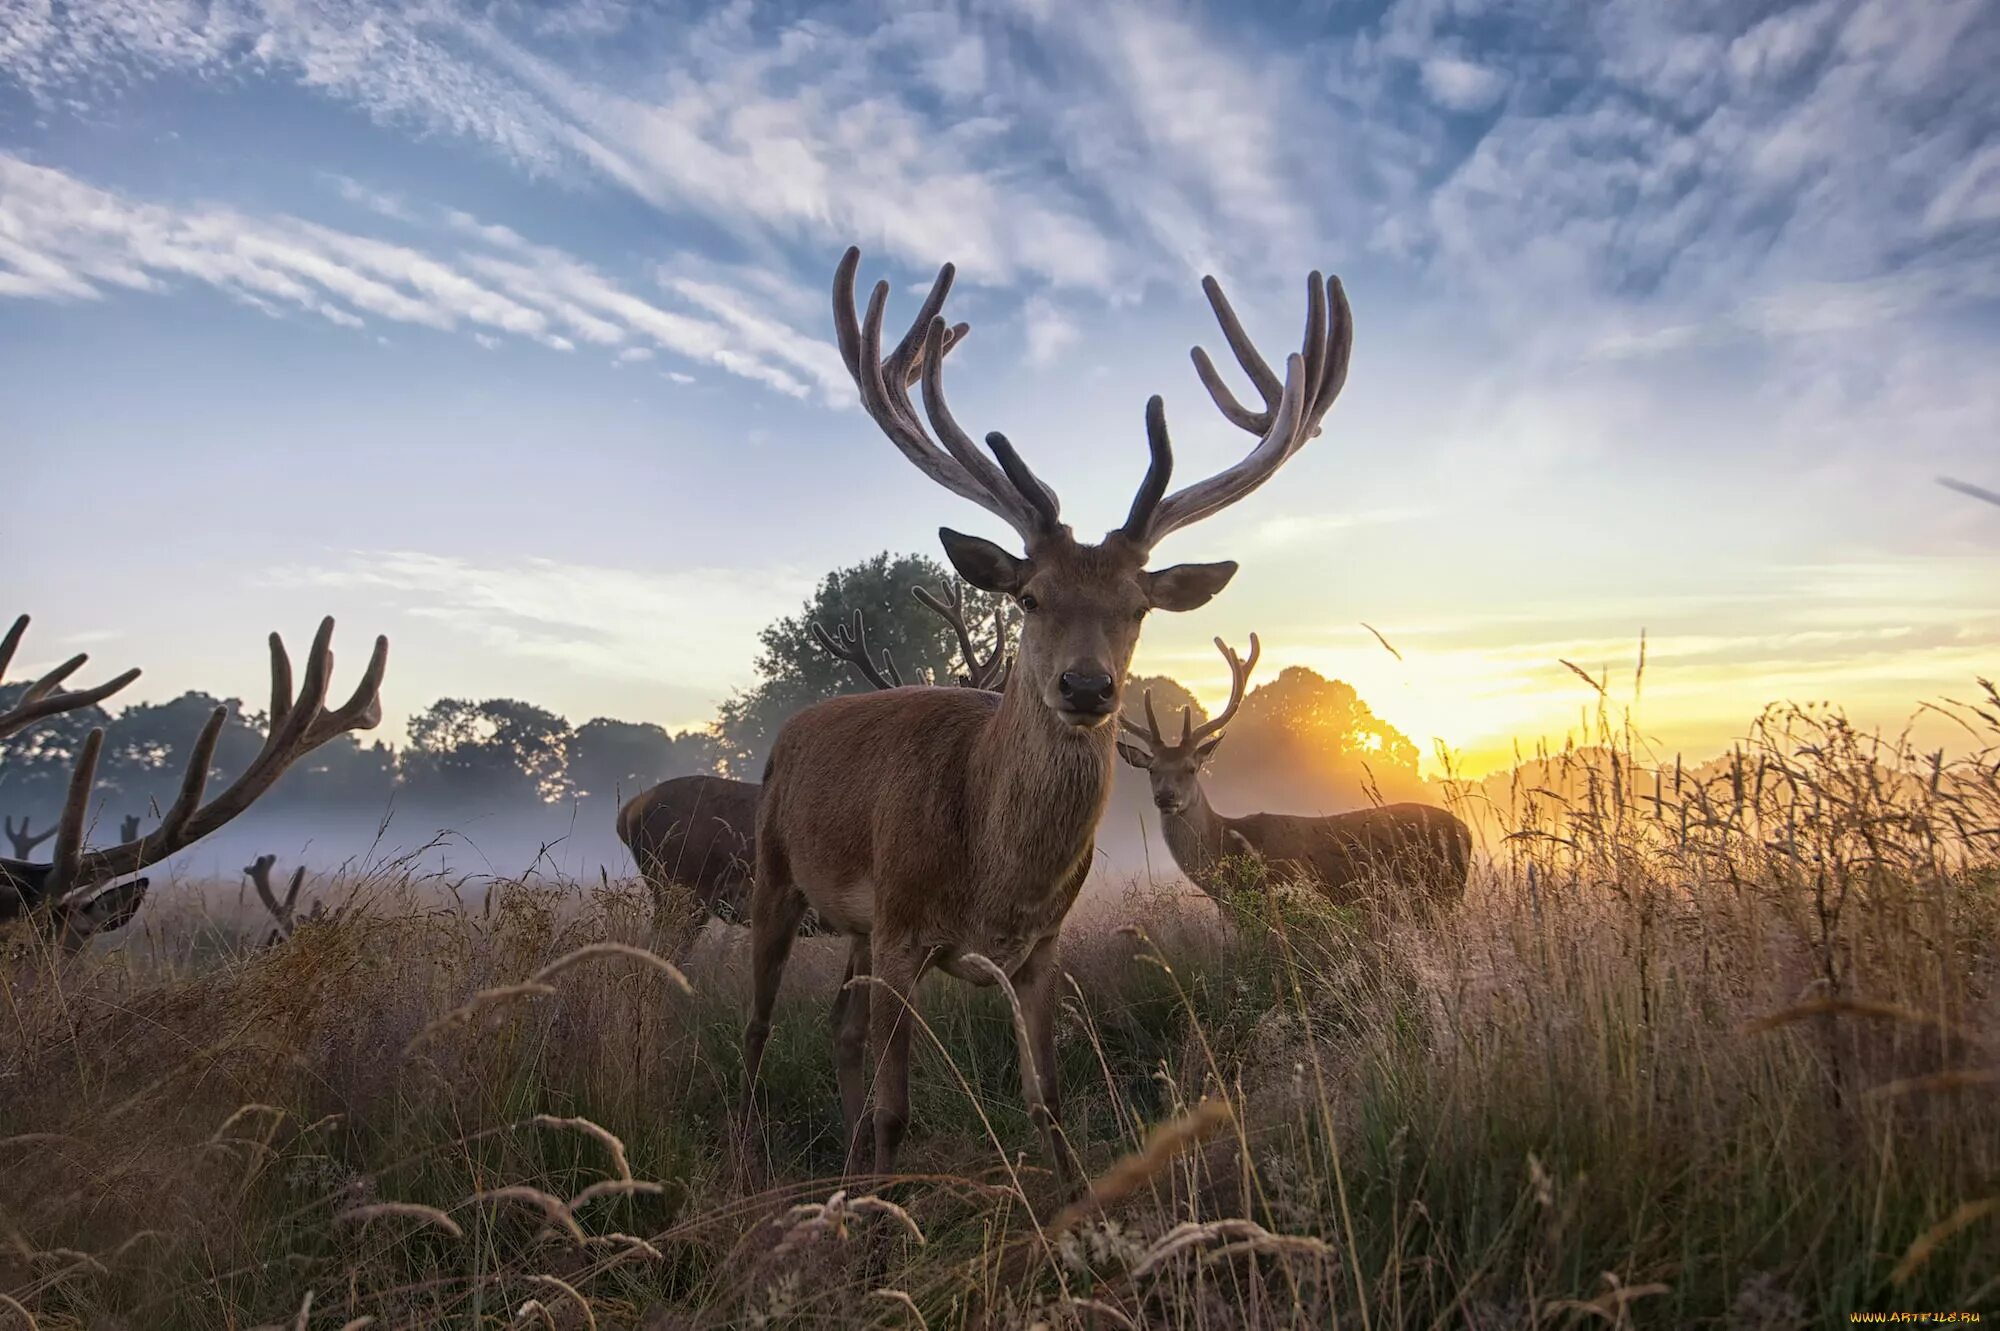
<point x="1042" y="785"/>
<point x="1196" y="836"/>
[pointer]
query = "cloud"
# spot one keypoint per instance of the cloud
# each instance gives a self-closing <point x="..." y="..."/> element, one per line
<point x="1048" y="330"/>
<point x="64" y="239"/>
<point x="1462" y="85"/>
<point x="609" y="623"/>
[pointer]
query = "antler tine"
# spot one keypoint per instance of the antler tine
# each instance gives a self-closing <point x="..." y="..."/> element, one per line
<point x="951" y="609"/>
<point x="297" y="728"/>
<point x="45" y="698"/>
<point x="1239" y="675"/>
<point x="64" y="867"/>
<point x="918" y="358"/>
<point x="851" y="645"/>
<point x="1293" y="407"/>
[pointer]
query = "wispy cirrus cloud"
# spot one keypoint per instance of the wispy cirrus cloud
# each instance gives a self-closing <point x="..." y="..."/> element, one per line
<point x="62" y="238"/>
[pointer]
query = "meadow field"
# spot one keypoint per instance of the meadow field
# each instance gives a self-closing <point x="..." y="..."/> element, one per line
<point x="1708" y="1050"/>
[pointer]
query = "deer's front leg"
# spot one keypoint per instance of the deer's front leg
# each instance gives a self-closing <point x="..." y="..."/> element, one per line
<point x="1038" y="984"/>
<point x="898" y="964"/>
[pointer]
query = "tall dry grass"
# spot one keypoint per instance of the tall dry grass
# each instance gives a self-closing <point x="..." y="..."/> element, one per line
<point x="1696" y="1050"/>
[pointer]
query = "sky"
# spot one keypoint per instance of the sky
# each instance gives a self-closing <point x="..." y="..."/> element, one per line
<point x="505" y="330"/>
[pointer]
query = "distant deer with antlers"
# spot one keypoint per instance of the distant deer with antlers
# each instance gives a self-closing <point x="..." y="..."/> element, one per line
<point x="1417" y="846"/>
<point x="699" y="832"/>
<point x="953" y="828"/>
<point x="24" y="837"/>
<point x="283" y="910"/>
<point x="128" y="827"/>
<point x="75" y="895"/>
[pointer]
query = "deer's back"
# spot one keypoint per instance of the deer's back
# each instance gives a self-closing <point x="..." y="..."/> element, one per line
<point x="1419" y="845"/>
<point x="698" y="831"/>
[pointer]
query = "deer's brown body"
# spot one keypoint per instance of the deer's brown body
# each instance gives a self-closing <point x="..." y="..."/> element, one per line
<point x="698" y="833"/>
<point x="1406" y="846"/>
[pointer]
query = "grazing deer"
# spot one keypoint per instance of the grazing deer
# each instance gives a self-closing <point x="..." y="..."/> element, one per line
<point x="953" y="828"/>
<point x="73" y="893"/>
<point x="24" y="838"/>
<point x="699" y="832"/>
<point x="1417" y="845"/>
<point x="283" y="910"/>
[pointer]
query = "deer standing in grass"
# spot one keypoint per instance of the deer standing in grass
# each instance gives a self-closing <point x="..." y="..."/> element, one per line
<point x="1417" y="846"/>
<point x="699" y="833"/>
<point x="953" y="828"/>
<point x="75" y="895"/>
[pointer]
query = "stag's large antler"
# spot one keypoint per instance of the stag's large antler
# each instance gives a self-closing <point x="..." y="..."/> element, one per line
<point x="1191" y="734"/>
<point x="990" y="673"/>
<point x="298" y="725"/>
<point x="44" y="698"/>
<point x="1010" y="490"/>
<point x="850" y="644"/>
<point x="1293" y="408"/>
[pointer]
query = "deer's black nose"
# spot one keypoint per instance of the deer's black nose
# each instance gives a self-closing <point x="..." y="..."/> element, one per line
<point x="1087" y="691"/>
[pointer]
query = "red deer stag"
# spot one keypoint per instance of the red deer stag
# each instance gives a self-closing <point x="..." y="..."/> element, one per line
<point x="935" y="825"/>
<point x="25" y="838"/>
<point x="1343" y="854"/>
<point x="699" y="832"/>
<point x="72" y="895"/>
<point x="128" y="827"/>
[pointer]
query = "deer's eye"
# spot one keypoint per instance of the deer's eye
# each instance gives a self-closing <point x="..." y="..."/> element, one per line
<point x="1138" y="614"/>
<point x="1029" y="603"/>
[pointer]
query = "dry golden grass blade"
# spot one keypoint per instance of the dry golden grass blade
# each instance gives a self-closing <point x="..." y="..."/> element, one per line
<point x="8" y="1301"/>
<point x="903" y="1301"/>
<point x="1386" y="646"/>
<point x="589" y="1317"/>
<point x="615" y="1187"/>
<point x="589" y="1129"/>
<point x="429" y="1215"/>
<point x="534" y="1306"/>
<point x="592" y="951"/>
<point x="1964" y="1216"/>
<point x="358" y="1324"/>
<point x="1844" y="1007"/>
<point x="77" y="1258"/>
<point x="627" y="1245"/>
<point x="1610" y="1305"/>
<point x="522" y="1195"/>
<point x="1099" y="1307"/>
<point x="300" y="1322"/>
<point x="505" y="993"/>
<point x="1952" y="1079"/>
<point x="276" y="1114"/>
<point x="1132" y="1173"/>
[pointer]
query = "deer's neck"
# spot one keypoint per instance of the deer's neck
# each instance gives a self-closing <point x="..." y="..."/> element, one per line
<point x="1041" y="786"/>
<point x="1196" y="837"/>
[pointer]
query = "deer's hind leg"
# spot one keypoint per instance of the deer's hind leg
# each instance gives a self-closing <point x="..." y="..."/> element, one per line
<point x="776" y="907"/>
<point x="850" y="1052"/>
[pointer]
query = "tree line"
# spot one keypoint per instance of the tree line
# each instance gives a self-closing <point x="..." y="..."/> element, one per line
<point x="1300" y="738"/>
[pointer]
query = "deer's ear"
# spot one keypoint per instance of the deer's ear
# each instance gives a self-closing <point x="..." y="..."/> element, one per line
<point x="984" y="564"/>
<point x="1186" y="586"/>
<point x="1205" y="749"/>
<point x="1135" y="755"/>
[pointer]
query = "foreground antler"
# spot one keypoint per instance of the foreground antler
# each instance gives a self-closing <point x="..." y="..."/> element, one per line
<point x="849" y="643"/>
<point x="988" y="674"/>
<point x="298" y="724"/>
<point x="25" y="838"/>
<point x="45" y="698"/>
<point x="1191" y="734"/>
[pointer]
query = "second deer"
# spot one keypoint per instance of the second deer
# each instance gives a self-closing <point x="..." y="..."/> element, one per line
<point x="1415" y="847"/>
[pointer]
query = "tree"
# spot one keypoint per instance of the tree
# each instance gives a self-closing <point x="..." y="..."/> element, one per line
<point x="498" y="751"/>
<point x="1306" y="743"/>
<point x="794" y="672"/>
<point x="614" y="760"/>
